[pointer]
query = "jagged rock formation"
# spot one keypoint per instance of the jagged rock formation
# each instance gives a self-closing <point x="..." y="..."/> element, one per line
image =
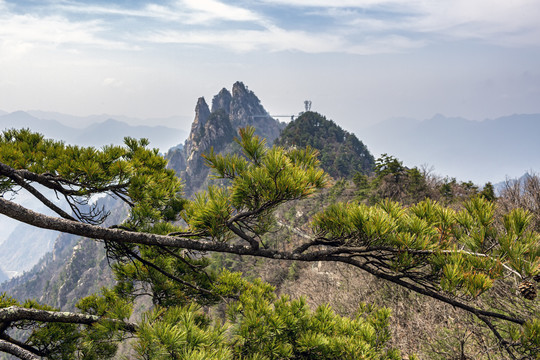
<point x="342" y="155"/>
<point x="222" y="101"/>
<point x="216" y="128"/>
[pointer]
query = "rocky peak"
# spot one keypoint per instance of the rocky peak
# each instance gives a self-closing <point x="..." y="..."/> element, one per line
<point x="217" y="130"/>
<point x="246" y="108"/>
<point x="239" y="89"/>
<point x="202" y="112"/>
<point x="222" y="101"/>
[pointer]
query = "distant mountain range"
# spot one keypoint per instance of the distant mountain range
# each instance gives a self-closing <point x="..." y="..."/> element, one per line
<point x="99" y="129"/>
<point x="481" y="151"/>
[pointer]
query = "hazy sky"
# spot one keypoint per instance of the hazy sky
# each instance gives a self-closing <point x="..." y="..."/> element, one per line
<point x="359" y="61"/>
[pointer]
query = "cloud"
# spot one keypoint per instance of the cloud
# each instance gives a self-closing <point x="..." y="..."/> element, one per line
<point x="312" y="26"/>
<point x="508" y="23"/>
<point x="332" y="3"/>
<point x="492" y="21"/>
<point x="151" y="11"/>
<point x="209" y="10"/>
<point x="112" y="82"/>
<point x="19" y="33"/>
<point x="276" y="39"/>
<point x="182" y="11"/>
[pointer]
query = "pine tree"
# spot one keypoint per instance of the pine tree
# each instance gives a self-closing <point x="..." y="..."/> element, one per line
<point x="452" y="255"/>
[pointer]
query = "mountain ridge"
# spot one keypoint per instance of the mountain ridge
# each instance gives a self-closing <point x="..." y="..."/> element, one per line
<point x="342" y="154"/>
<point x="106" y="132"/>
<point x="481" y="151"/>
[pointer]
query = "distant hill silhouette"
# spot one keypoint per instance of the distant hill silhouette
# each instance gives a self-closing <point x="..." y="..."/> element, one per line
<point x="480" y="151"/>
<point x="106" y="132"/>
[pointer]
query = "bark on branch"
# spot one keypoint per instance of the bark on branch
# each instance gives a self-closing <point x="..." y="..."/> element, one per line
<point x="16" y="313"/>
<point x="17" y="351"/>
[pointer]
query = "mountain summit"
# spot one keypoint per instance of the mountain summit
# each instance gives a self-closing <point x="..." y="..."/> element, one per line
<point x="217" y="128"/>
<point x="341" y="153"/>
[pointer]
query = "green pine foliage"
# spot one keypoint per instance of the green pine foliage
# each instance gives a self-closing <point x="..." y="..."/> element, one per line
<point x="261" y="180"/>
<point x="260" y="325"/>
<point x="463" y="250"/>
<point x="456" y="254"/>
<point x="66" y="341"/>
<point x="132" y="171"/>
<point x="269" y="327"/>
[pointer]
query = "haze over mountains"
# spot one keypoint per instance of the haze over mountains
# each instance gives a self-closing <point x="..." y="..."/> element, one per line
<point x="481" y="151"/>
<point x="97" y="130"/>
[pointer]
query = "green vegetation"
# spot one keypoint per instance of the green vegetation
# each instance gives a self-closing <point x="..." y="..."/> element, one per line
<point x="392" y="180"/>
<point x="459" y="255"/>
<point x="342" y="154"/>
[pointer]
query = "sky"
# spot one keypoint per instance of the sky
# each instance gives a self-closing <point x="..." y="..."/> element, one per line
<point x="359" y="61"/>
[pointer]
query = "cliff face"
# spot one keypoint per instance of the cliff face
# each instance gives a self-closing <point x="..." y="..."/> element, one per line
<point x="216" y="129"/>
<point x="222" y="101"/>
<point x="76" y="267"/>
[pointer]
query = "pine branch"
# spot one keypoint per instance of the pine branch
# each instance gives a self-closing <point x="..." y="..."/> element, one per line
<point x="16" y="313"/>
<point x="40" y="197"/>
<point x="22" y="345"/>
<point x="332" y="254"/>
<point x="17" y="351"/>
<point x="55" y="182"/>
<point x="503" y="343"/>
<point x="167" y="274"/>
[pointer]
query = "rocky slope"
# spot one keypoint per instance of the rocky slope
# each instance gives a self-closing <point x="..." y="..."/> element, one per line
<point x="216" y="128"/>
<point x="76" y="267"/>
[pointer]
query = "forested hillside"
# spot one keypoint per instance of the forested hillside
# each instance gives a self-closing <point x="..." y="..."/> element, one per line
<point x="342" y="155"/>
